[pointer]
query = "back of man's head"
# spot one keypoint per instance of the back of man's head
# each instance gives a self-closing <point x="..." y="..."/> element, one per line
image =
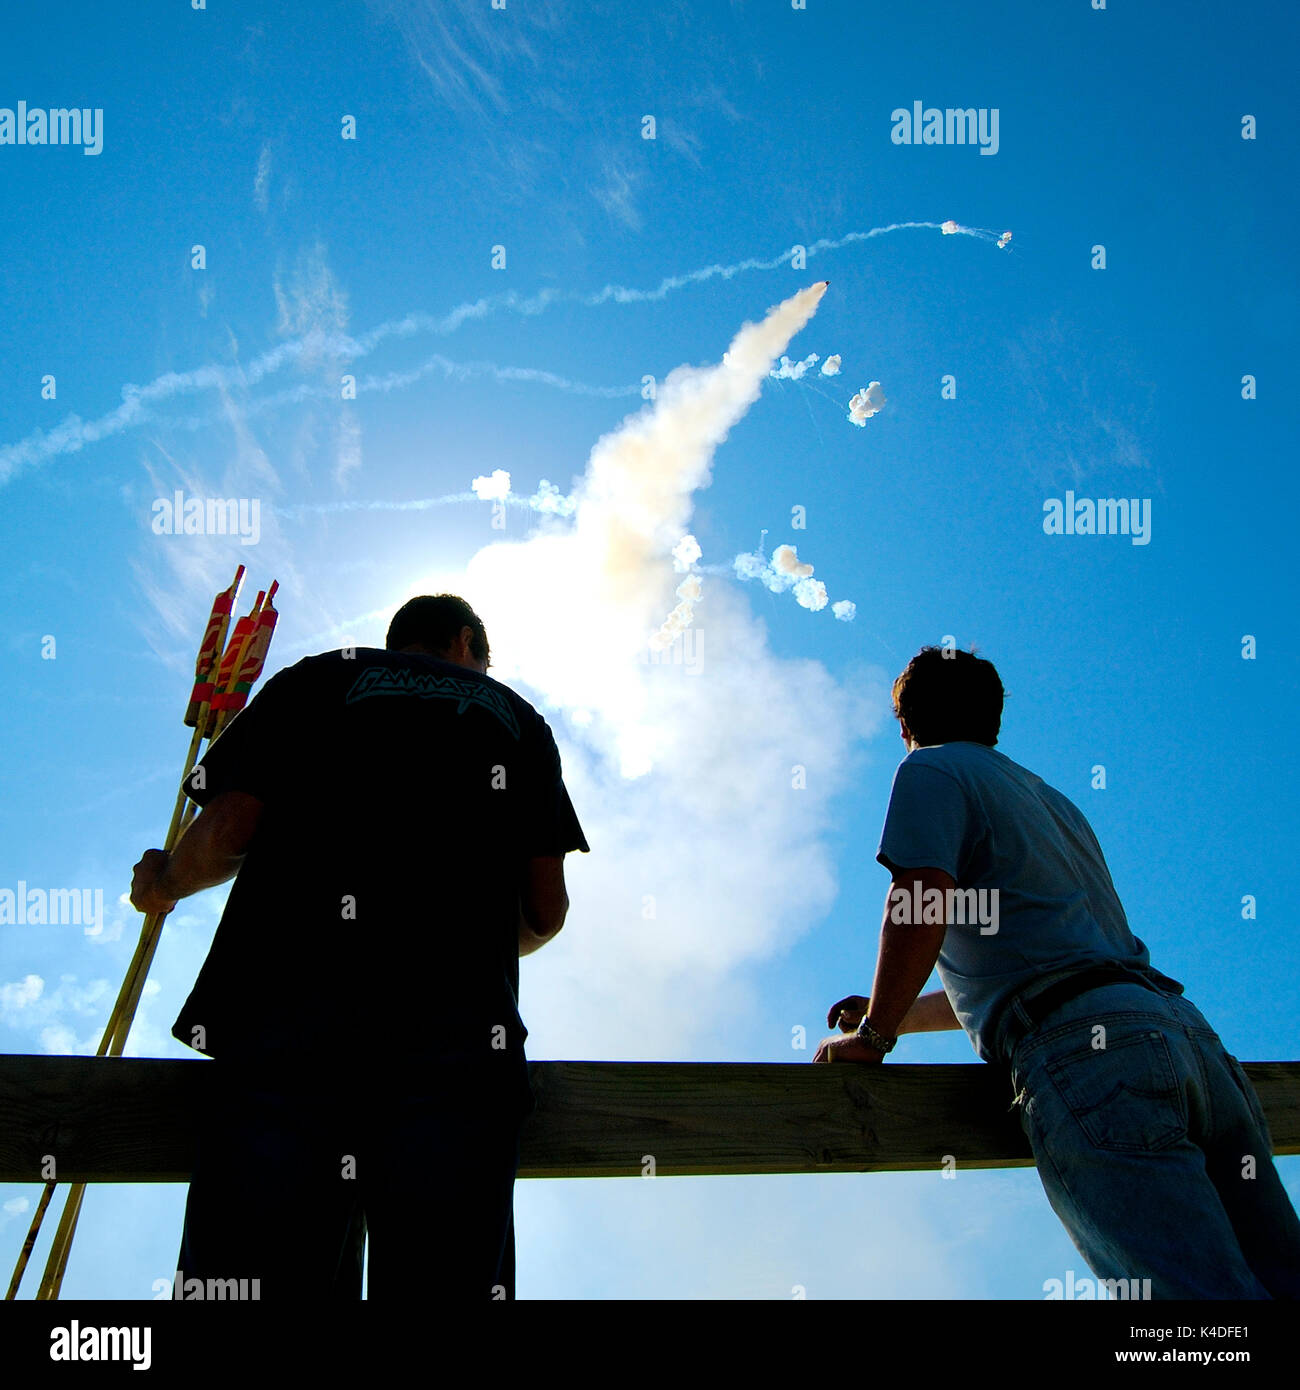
<point x="949" y="696"/>
<point x="434" y="622"/>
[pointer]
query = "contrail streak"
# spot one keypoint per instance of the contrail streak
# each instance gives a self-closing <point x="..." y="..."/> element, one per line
<point x="74" y="433"/>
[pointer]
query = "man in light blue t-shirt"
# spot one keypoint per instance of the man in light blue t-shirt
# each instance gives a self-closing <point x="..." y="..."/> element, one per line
<point x="1150" y="1141"/>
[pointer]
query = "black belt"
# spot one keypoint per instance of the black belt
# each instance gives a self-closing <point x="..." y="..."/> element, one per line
<point x="1049" y="1000"/>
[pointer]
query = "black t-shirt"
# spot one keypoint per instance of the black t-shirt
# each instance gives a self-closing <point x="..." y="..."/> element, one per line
<point x="377" y="908"/>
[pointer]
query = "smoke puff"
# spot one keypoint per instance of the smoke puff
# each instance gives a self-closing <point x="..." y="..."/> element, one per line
<point x="949" y="228"/>
<point x="810" y="593"/>
<point x="493" y="489"/>
<point x="786" y="561"/>
<point x="549" y="500"/>
<point x="845" y="610"/>
<point x="686" y="552"/>
<point x="866" y="403"/>
<point x="831" y="367"/>
<point x="603" y="571"/>
<point x="792" y="371"/>
<point x="749" y="565"/>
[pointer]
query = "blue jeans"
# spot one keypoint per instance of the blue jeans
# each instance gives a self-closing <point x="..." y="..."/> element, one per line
<point x="296" y="1170"/>
<point x="1153" y="1148"/>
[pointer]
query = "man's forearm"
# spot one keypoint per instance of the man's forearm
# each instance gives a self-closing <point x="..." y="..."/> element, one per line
<point x="202" y="859"/>
<point x="931" y="1013"/>
<point x="908" y="952"/>
<point x="530" y="940"/>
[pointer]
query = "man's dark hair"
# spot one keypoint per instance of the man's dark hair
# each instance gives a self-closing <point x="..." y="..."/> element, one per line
<point x="435" y="621"/>
<point x="949" y="696"/>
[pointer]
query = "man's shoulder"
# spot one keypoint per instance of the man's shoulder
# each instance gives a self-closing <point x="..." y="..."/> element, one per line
<point x="369" y="672"/>
<point x="960" y="759"/>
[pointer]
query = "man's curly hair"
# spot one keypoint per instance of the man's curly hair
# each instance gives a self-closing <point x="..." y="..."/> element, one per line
<point x="949" y="696"/>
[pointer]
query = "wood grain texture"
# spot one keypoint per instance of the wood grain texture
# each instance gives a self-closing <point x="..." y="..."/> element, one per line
<point x="109" y="1119"/>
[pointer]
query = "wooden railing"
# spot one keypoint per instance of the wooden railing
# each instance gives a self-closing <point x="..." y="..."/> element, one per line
<point x="106" y="1119"/>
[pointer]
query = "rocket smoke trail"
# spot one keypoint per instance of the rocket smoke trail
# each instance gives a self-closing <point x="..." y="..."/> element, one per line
<point x="139" y="402"/>
<point x="682" y="768"/>
<point x="606" y="575"/>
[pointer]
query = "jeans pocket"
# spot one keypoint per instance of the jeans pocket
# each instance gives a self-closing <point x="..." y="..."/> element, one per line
<point x="1125" y="1097"/>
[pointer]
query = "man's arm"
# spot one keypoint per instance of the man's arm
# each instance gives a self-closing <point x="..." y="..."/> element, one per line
<point x="210" y="852"/>
<point x="908" y="951"/>
<point x="932" y="1013"/>
<point x="543" y="902"/>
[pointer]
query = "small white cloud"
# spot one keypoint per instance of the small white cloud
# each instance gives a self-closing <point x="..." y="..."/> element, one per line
<point x="59" y="1040"/>
<point x="21" y="993"/>
<point x="845" y="610"/>
<point x="261" y="182"/>
<point x="831" y="367"/>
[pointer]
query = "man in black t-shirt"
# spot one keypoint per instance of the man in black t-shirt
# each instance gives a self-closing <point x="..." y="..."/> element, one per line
<point x="396" y="822"/>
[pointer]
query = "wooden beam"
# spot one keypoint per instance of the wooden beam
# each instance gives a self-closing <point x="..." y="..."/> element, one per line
<point x="109" y="1119"/>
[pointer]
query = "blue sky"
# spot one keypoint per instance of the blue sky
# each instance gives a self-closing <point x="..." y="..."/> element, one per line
<point x="523" y="129"/>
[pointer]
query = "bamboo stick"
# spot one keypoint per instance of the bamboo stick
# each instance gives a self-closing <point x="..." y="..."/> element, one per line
<point x="119" y="1024"/>
<point x="114" y="1038"/>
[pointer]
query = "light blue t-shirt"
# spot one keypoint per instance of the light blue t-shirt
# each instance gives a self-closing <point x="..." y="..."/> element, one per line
<point x="969" y="810"/>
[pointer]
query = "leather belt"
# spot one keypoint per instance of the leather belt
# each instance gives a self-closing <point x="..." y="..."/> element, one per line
<point x="1047" y="1001"/>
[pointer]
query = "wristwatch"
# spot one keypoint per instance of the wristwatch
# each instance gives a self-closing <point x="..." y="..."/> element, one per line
<point x="873" y="1039"/>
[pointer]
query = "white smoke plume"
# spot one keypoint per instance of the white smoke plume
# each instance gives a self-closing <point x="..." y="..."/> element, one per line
<point x="950" y="228"/>
<point x="785" y="560"/>
<point x="831" y="367"/>
<point x="494" y="488"/>
<point x="704" y="855"/>
<point x="792" y="371"/>
<point x="548" y="499"/>
<point x="866" y="403"/>
<point x="785" y="571"/>
<point x="810" y="593"/>
<point x="605" y="573"/>
<point x="1003" y="240"/>
<point x="686" y="552"/>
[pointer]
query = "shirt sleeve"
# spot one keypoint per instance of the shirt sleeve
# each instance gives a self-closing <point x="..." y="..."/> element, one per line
<point x="552" y="825"/>
<point x="250" y="753"/>
<point x="928" y="824"/>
